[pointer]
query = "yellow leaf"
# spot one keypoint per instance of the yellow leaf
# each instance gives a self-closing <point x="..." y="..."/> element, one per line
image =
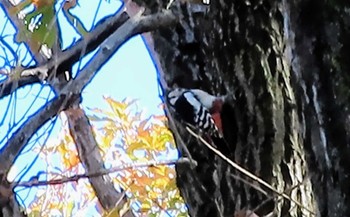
<point x="146" y="206"/>
<point x="160" y="170"/>
<point x="97" y="118"/>
<point x="117" y="107"/>
<point x="136" y="146"/>
<point x="161" y="118"/>
<point x="129" y="102"/>
<point x="34" y="213"/>
<point x="142" y="125"/>
<point x="161" y="183"/>
<point x="144" y="134"/>
<point x="106" y="142"/>
<point x="153" y="195"/>
<point x="73" y="160"/>
<point x="69" y="208"/>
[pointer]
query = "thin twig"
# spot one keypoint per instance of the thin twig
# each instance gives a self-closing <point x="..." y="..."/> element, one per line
<point x="16" y="143"/>
<point x="247" y="173"/>
<point x="35" y="182"/>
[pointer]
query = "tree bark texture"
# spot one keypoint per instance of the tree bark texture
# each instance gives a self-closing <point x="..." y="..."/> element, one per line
<point x="89" y="154"/>
<point x="287" y="64"/>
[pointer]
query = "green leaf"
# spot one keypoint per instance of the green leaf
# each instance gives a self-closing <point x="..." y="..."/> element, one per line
<point x="74" y="21"/>
<point x="44" y="32"/>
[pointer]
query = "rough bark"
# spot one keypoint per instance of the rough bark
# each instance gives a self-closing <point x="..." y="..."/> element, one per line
<point x="8" y="203"/>
<point x="286" y="63"/>
<point x="320" y="49"/>
<point x="90" y="156"/>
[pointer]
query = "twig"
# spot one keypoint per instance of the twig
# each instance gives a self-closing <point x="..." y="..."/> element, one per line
<point x="247" y="173"/>
<point x="66" y="58"/>
<point x="132" y="27"/>
<point x="19" y="139"/>
<point x="175" y="132"/>
<point x="250" y="184"/>
<point x="35" y="182"/>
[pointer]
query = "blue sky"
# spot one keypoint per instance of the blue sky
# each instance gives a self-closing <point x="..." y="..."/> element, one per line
<point x="129" y="73"/>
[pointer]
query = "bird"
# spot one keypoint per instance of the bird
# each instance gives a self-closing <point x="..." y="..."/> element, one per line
<point x="198" y="109"/>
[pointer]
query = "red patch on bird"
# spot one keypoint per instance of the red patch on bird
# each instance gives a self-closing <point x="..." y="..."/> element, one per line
<point x="217" y="120"/>
<point x="217" y="106"/>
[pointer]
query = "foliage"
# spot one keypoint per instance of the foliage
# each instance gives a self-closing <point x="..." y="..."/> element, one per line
<point x="124" y="136"/>
<point x="40" y="23"/>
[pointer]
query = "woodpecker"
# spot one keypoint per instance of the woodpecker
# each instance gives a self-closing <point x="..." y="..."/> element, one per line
<point x="198" y="109"/>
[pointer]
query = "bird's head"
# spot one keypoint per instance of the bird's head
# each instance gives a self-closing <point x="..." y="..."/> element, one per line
<point x="173" y="94"/>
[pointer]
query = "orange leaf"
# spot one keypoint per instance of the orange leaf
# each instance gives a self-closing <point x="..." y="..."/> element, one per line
<point x="73" y="160"/>
<point x="160" y="170"/>
<point x="41" y="3"/>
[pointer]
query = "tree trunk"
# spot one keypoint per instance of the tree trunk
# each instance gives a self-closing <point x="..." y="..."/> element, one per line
<point x="286" y="63"/>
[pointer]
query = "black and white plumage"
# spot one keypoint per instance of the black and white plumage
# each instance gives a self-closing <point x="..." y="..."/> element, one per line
<point x="194" y="107"/>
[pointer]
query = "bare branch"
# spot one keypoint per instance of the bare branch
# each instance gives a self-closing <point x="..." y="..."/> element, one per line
<point x="35" y="182"/>
<point x="90" y="156"/>
<point x="131" y="28"/>
<point x="20" y="138"/>
<point x="63" y="60"/>
<point x="8" y="86"/>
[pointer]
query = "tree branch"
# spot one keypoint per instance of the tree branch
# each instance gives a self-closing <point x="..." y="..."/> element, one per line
<point x="35" y="182"/>
<point x="132" y="27"/>
<point x="90" y="156"/>
<point x="20" y="138"/>
<point x="63" y="60"/>
<point x="8" y="86"/>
